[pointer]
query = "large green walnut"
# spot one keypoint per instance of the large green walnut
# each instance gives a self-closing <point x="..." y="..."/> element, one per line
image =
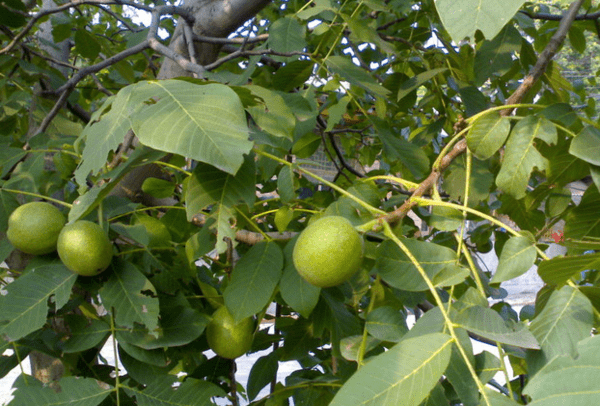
<point x="84" y="248"/>
<point x="34" y="227"/>
<point x="228" y="338"/>
<point x="328" y="252"/>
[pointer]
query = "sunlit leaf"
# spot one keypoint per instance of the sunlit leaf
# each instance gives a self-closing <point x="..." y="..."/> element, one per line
<point x="586" y="145"/>
<point x="566" y="319"/>
<point x="72" y="391"/>
<point x="518" y="256"/>
<point x="192" y="392"/>
<point x="130" y="296"/>
<point x="521" y="155"/>
<point x="463" y="17"/>
<point x="253" y="280"/>
<point x="397" y="269"/>
<point x="404" y="375"/>
<point x="24" y="308"/>
<point x="487" y="323"/>
<point x="487" y="135"/>
<point x="203" y="122"/>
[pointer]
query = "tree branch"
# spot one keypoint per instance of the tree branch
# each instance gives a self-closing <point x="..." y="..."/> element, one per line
<point x="545" y="57"/>
<point x="558" y="17"/>
<point x="461" y="146"/>
<point x="46" y="12"/>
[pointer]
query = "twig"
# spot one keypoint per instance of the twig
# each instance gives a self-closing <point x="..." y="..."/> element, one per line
<point x="262" y="52"/>
<point x="545" y="57"/>
<point x="559" y="17"/>
<point x="64" y="7"/>
<point x="155" y="44"/>
<point x="237" y="40"/>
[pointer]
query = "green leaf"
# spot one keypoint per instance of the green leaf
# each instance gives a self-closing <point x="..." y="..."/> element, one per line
<point x="396" y="268"/>
<point x="518" y="255"/>
<point x="209" y="185"/>
<point x="202" y="122"/>
<point x="283" y="216"/>
<point x="8" y="204"/>
<point x="460" y="377"/>
<point x="481" y="182"/>
<point x="586" y="145"/>
<point x="557" y="271"/>
<point x="397" y="148"/>
<point x="463" y="17"/>
<point x="445" y="218"/>
<point x="286" y="184"/>
<point x="386" y="324"/>
<point x="254" y="280"/>
<point x="293" y="75"/>
<point x="336" y="112"/>
<point x="105" y="135"/>
<point x="179" y="325"/>
<point x="521" y="156"/>
<point x="84" y="333"/>
<point x="24" y="308"/>
<point x="275" y="116"/>
<point x="86" y="45"/>
<point x="69" y="391"/>
<point x="487" y="323"/>
<point x="130" y="296"/>
<point x="158" y="188"/>
<point x="155" y="357"/>
<point x="9" y="157"/>
<point x="436" y="397"/>
<point x="350" y="347"/>
<point x="417" y="81"/>
<point x="498" y="399"/>
<point x="262" y="373"/>
<point x="192" y="392"/>
<point x="355" y="75"/>
<point x="566" y="319"/>
<point x="299" y="294"/>
<point x="568" y="381"/>
<point x="88" y="201"/>
<point x="199" y="244"/>
<point x="287" y="35"/>
<point x="496" y="57"/>
<point x="404" y="375"/>
<point x="583" y="221"/>
<point x="488" y="134"/>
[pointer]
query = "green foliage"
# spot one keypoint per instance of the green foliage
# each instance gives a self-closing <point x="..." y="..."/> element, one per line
<point x="387" y="113"/>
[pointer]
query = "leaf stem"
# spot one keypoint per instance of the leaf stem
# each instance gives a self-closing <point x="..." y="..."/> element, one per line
<point x="253" y="225"/>
<point x="115" y="355"/>
<point x="335" y="187"/>
<point x="363" y="343"/>
<point x="502" y="354"/>
<point x="144" y="209"/>
<point x="429" y="202"/>
<point x="449" y="324"/>
<point x="60" y="202"/>
<point x="406" y="183"/>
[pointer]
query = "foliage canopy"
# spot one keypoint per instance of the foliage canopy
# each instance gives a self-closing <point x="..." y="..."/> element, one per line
<point x="447" y="132"/>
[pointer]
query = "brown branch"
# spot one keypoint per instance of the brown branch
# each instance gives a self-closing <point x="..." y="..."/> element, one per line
<point x="461" y="146"/>
<point x="237" y="40"/>
<point x="241" y="53"/>
<point x="559" y="17"/>
<point x="155" y="44"/>
<point x="545" y="57"/>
